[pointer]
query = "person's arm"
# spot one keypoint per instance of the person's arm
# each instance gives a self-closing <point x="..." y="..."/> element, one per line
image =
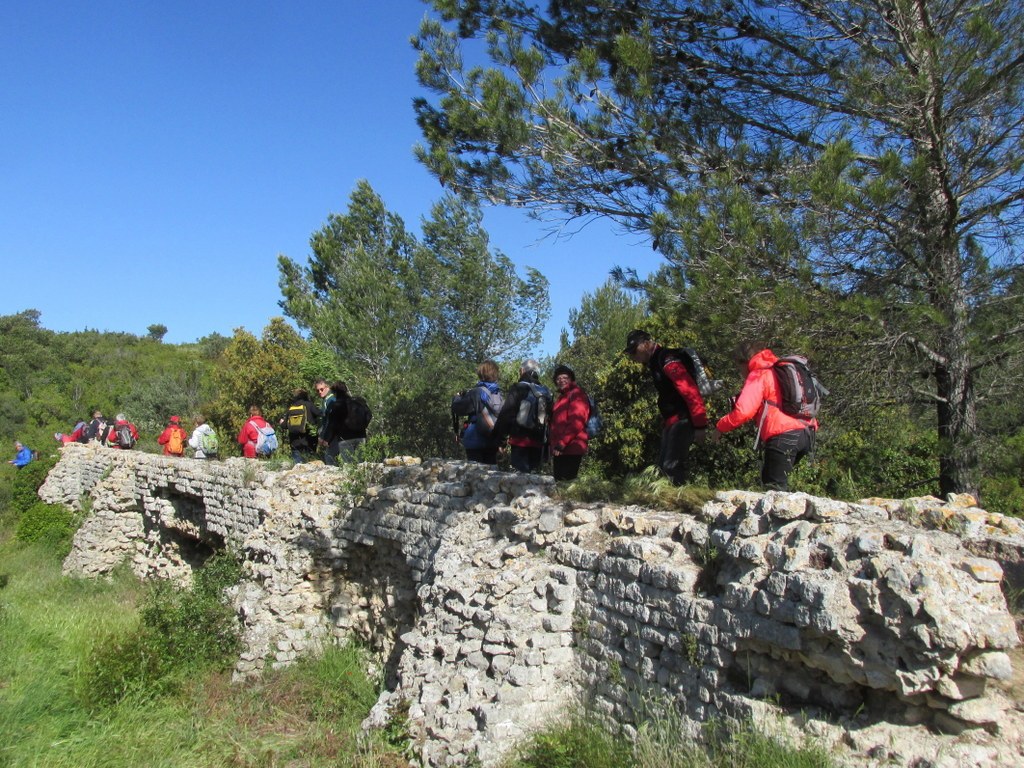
<point x="681" y="379"/>
<point x="747" y="405"/>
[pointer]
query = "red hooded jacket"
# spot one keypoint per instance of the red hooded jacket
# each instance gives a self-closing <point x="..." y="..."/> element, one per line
<point x="249" y="434"/>
<point x="762" y="386"/>
<point x="569" y="414"/>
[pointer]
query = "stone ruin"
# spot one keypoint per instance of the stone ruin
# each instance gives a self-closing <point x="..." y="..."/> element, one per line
<point x="880" y="628"/>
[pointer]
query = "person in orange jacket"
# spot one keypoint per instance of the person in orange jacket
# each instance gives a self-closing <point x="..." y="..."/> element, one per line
<point x="784" y="439"/>
<point x="173" y="438"/>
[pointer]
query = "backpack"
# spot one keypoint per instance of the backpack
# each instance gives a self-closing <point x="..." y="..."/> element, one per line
<point x="534" y="408"/>
<point x="266" y="440"/>
<point x="594" y="421"/>
<point x="358" y="416"/>
<point x="125" y="438"/>
<point x="208" y="442"/>
<point x="695" y="367"/>
<point x="800" y="392"/>
<point x="298" y="422"/>
<point x="98" y="431"/>
<point x="469" y="404"/>
<point x="176" y="441"/>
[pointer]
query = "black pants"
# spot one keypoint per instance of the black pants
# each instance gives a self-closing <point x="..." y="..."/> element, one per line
<point x="482" y="455"/>
<point x="566" y="467"/>
<point x="781" y="454"/>
<point x="674" y="456"/>
<point x="525" y="458"/>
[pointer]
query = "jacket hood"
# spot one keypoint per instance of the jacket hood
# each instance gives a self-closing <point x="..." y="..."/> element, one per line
<point x="763" y="359"/>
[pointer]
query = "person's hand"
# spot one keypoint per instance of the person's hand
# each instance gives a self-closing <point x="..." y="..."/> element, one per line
<point x="716" y="437"/>
<point x="700" y="435"/>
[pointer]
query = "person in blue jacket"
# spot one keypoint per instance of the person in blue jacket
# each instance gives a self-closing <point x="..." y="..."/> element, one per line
<point x="22" y="455"/>
<point x="478" y="438"/>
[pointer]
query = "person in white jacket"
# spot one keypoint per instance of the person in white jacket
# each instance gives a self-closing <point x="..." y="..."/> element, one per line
<point x="203" y="440"/>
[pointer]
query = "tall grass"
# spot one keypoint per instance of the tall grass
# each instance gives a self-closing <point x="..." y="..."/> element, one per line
<point x="50" y="630"/>
<point x="663" y="741"/>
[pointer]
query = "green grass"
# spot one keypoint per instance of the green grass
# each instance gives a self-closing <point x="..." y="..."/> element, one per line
<point x="647" y="488"/>
<point x="662" y="742"/>
<point x="50" y="629"/>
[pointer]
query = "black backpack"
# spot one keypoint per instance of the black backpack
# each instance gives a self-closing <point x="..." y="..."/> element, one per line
<point x="125" y="438"/>
<point x="358" y="417"/>
<point x="695" y="367"/>
<point x="800" y="391"/>
<point x="534" y="408"/>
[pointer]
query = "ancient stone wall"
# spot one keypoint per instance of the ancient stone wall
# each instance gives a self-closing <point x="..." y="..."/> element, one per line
<point x="880" y="627"/>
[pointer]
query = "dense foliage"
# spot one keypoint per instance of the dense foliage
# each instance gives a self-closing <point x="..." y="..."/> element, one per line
<point x="851" y="168"/>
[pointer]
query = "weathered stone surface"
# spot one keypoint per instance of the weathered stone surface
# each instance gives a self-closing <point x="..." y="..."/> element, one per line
<point x="493" y="606"/>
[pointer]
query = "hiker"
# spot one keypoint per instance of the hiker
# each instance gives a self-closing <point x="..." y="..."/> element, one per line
<point x="98" y="430"/>
<point x="22" y="455"/>
<point x="784" y="439"/>
<point x="324" y="390"/>
<point x="203" y="440"/>
<point x="478" y="436"/>
<point x="123" y="434"/>
<point x="76" y="435"/>
<point x="569" y="416"/>
<point x="173" y="438"/>
<point x="301" y="420"/>
<point x="345" y="423"/>
<point x="524" y="419"/>
<point x="249" y="434"/>
<point x="679" y="401"/>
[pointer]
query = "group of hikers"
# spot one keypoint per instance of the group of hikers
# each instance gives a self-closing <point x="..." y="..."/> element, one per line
<point x="332" y="430"/>
<point x="780" y="394"/>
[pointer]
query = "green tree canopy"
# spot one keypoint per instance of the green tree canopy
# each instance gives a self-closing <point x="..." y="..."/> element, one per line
<point x="871" y="150"/>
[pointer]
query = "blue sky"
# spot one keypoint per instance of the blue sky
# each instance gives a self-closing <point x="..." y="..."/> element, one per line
<point x="155" y="158"/>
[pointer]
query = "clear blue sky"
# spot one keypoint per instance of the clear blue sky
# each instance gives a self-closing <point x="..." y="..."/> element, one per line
<point x="155" y="158"/>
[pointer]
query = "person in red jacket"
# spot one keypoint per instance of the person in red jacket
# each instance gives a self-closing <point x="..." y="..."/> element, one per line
<point x="249" y="433"/>
<point x="173" y="438"/>
<point x="784" y="438"/>
<point x="120" y="424"/>
<point x="568" y="426"/>
<point x="679" y="401"/>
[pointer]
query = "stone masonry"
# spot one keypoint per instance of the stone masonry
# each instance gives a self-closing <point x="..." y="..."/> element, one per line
<point x="881" y="627"/>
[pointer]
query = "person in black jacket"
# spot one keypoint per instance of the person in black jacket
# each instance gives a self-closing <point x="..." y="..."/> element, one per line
<point x="527" y="433"/>
<point x="343" y="432"/>
<point x="301" y="420"/>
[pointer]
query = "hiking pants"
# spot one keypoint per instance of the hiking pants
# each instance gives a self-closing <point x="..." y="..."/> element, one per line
<point x="483" y="455"/>
<point x="674" y="456"/>
<point x="781" y="454"/>
<point x="566" y="467"/>
<point x="525" y="458"/>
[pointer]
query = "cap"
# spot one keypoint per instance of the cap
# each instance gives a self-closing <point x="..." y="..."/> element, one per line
<point x="634" y="340"/>
<point x="174" y="419"/>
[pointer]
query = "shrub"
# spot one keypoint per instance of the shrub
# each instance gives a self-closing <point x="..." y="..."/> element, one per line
<point x="51" y="524"/>
<point x="182" y="633"/>
<point x="26" y="482"/>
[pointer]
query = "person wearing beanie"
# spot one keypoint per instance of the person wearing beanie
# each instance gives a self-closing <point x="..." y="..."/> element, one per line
<point x="680" y="403"/>
<point x="568" y="425"/>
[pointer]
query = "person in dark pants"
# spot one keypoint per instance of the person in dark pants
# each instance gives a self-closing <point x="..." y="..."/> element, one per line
<point x="527" y="441"/>
<point x="679" y="402"/>
<point x="569" y="416"/>
<point x="784" y="439"/>
<point x="478" y="436"/>
<point x="301" y="420"/>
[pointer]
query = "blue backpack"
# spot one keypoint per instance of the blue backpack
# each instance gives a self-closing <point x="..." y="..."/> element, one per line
<point x="266" y="440"/>
<point x="594" y="421"/>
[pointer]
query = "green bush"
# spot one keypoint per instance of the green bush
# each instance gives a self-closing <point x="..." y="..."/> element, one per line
<point x="51" y="524"/>
<point x="25" y="484"/>
<point x="182" y="633"/>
